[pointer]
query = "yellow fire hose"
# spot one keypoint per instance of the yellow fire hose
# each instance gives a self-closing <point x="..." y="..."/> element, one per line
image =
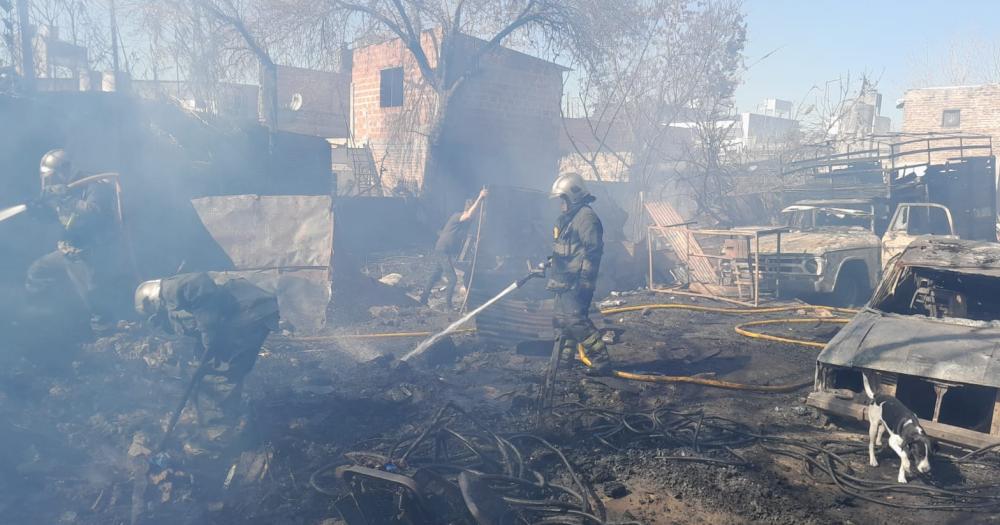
<point x="715" y="383"/>
<point x="740" y="329"/>
<point x="729" y="311"/>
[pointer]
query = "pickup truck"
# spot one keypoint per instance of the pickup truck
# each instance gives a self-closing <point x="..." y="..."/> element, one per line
<point x="832" y="246"/>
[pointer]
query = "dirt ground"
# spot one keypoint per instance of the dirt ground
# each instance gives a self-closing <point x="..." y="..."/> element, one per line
<point x="80" y="429"/>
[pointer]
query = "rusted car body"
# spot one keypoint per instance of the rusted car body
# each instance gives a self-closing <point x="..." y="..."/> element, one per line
<point x="930" y="336"/>
<point x="833" y="246"/>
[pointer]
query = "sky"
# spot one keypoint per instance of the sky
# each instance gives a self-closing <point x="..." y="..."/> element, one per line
<point x="814" y="41"/>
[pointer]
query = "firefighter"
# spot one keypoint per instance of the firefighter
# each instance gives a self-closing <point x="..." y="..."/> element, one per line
<point x="449" y="243"/>
<point x="576" y="259"/>
<point x="229" y="323"/>
<point x="87" y="254"/>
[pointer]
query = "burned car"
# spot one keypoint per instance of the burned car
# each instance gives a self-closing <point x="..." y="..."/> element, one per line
<point x="929" y="336"/>
<point x="836" y="247"/>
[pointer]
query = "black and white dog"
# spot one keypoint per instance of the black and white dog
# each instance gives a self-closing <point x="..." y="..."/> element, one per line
<point x="906" y="437"/>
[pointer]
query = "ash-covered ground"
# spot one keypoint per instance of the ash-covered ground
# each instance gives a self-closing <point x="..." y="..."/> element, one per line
<point x="81" y="427"/>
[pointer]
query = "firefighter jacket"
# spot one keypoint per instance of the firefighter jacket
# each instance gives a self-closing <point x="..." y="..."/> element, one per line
<point x="87" y="214"/>
<point x="216" y="315"/>
<point x="577" y="249"/>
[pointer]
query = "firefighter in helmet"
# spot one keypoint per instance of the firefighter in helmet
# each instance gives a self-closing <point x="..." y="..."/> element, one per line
<point x="229" y="322"/>
<point x="576" y="259"/>
<point x="87" y="253"/>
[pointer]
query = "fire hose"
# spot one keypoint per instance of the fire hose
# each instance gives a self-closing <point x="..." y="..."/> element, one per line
<point x="741" y="329"/>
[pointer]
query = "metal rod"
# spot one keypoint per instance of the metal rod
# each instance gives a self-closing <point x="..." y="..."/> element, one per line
<point x="195" y="380"/>
<point x="777" y="277"/>
<point x="475" y="258"/>
<point x="649" y="253"/>
<point x="756" y="277"/>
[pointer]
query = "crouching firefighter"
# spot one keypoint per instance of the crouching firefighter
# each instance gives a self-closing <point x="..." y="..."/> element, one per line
<point x="229" y="323"/>
<point x="576" y="258"/>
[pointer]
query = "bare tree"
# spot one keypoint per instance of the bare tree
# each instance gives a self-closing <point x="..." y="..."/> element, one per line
<point x="8" y="33"/>
<point x="430" y="31"/>
<point x="681" y="62"/>
<point x="965" y="61"/>
<point x="233" y="16"/>
<point x="829" y="113"/>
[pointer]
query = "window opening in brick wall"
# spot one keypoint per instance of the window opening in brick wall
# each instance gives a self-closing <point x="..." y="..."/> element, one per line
<point x="391" y="87"/>
<point x="951" y="118"/>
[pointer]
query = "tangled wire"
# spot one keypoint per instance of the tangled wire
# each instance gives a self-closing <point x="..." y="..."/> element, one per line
<point x="457" y="464"/>
<point x="825" y="460"/>
<point x="466" y="459"/>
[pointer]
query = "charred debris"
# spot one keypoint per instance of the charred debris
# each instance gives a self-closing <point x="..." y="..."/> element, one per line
<point x="330" y="297"/>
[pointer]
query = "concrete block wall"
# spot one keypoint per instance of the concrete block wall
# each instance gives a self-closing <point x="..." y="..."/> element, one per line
<point x="325" y="102"/>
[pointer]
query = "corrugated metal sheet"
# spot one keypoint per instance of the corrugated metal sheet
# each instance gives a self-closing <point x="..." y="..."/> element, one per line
<point x="663" y="214"/>
<point x="917" y="346"/>
<point x="511" y="321"/>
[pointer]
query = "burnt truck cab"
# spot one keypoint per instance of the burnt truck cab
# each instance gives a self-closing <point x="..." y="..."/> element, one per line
<point x="831" y="248"/>
<point x="834" y="247"/>
<point x="929" y="336"/>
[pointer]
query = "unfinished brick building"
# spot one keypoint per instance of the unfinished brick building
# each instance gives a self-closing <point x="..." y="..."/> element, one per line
<point x="960" y="110"/>
<point x="502" y="125"/>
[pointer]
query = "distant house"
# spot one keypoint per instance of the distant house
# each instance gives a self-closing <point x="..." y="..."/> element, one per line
<point x="597" y="151"/>
<point x="751" y="136"/>
<point x="603" y="151"/>
<point x="502" y="126"/>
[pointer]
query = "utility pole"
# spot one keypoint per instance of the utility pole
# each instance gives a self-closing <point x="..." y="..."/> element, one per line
<point x="114" y="43"/>
<point x="27" y="49"/>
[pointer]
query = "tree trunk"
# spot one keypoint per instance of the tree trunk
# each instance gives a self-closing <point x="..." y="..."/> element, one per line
<point x="269" y="98"/>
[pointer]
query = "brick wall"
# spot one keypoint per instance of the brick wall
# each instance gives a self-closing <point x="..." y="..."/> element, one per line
<point x="396" y="134"/>
<point x="979" y="106"/>
<point x="502" y="125"/>
<point x="507" y="121"/>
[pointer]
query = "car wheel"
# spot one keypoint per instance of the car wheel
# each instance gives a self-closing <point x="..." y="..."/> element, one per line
<point x="851" y="288"/>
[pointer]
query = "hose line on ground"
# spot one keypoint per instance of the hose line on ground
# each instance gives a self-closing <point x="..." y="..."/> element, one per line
<point x="740" y="329"/>
<point x="728" y="311"/>
<point x="657" y="378"/>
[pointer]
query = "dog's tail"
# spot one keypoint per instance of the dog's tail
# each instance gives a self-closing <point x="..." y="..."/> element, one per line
<point x="868" y="386"/>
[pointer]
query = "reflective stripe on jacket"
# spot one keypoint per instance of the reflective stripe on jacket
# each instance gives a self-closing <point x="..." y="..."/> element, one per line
<point x="576" y="250"/>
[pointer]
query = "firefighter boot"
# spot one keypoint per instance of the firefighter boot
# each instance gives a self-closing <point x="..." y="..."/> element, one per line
<point x="594" y="353"/>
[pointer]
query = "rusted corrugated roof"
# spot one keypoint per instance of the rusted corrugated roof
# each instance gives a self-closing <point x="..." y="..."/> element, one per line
<point x="663" y="215"/>
<point x="511" y="321"/>
<point x="917" y="346"/>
